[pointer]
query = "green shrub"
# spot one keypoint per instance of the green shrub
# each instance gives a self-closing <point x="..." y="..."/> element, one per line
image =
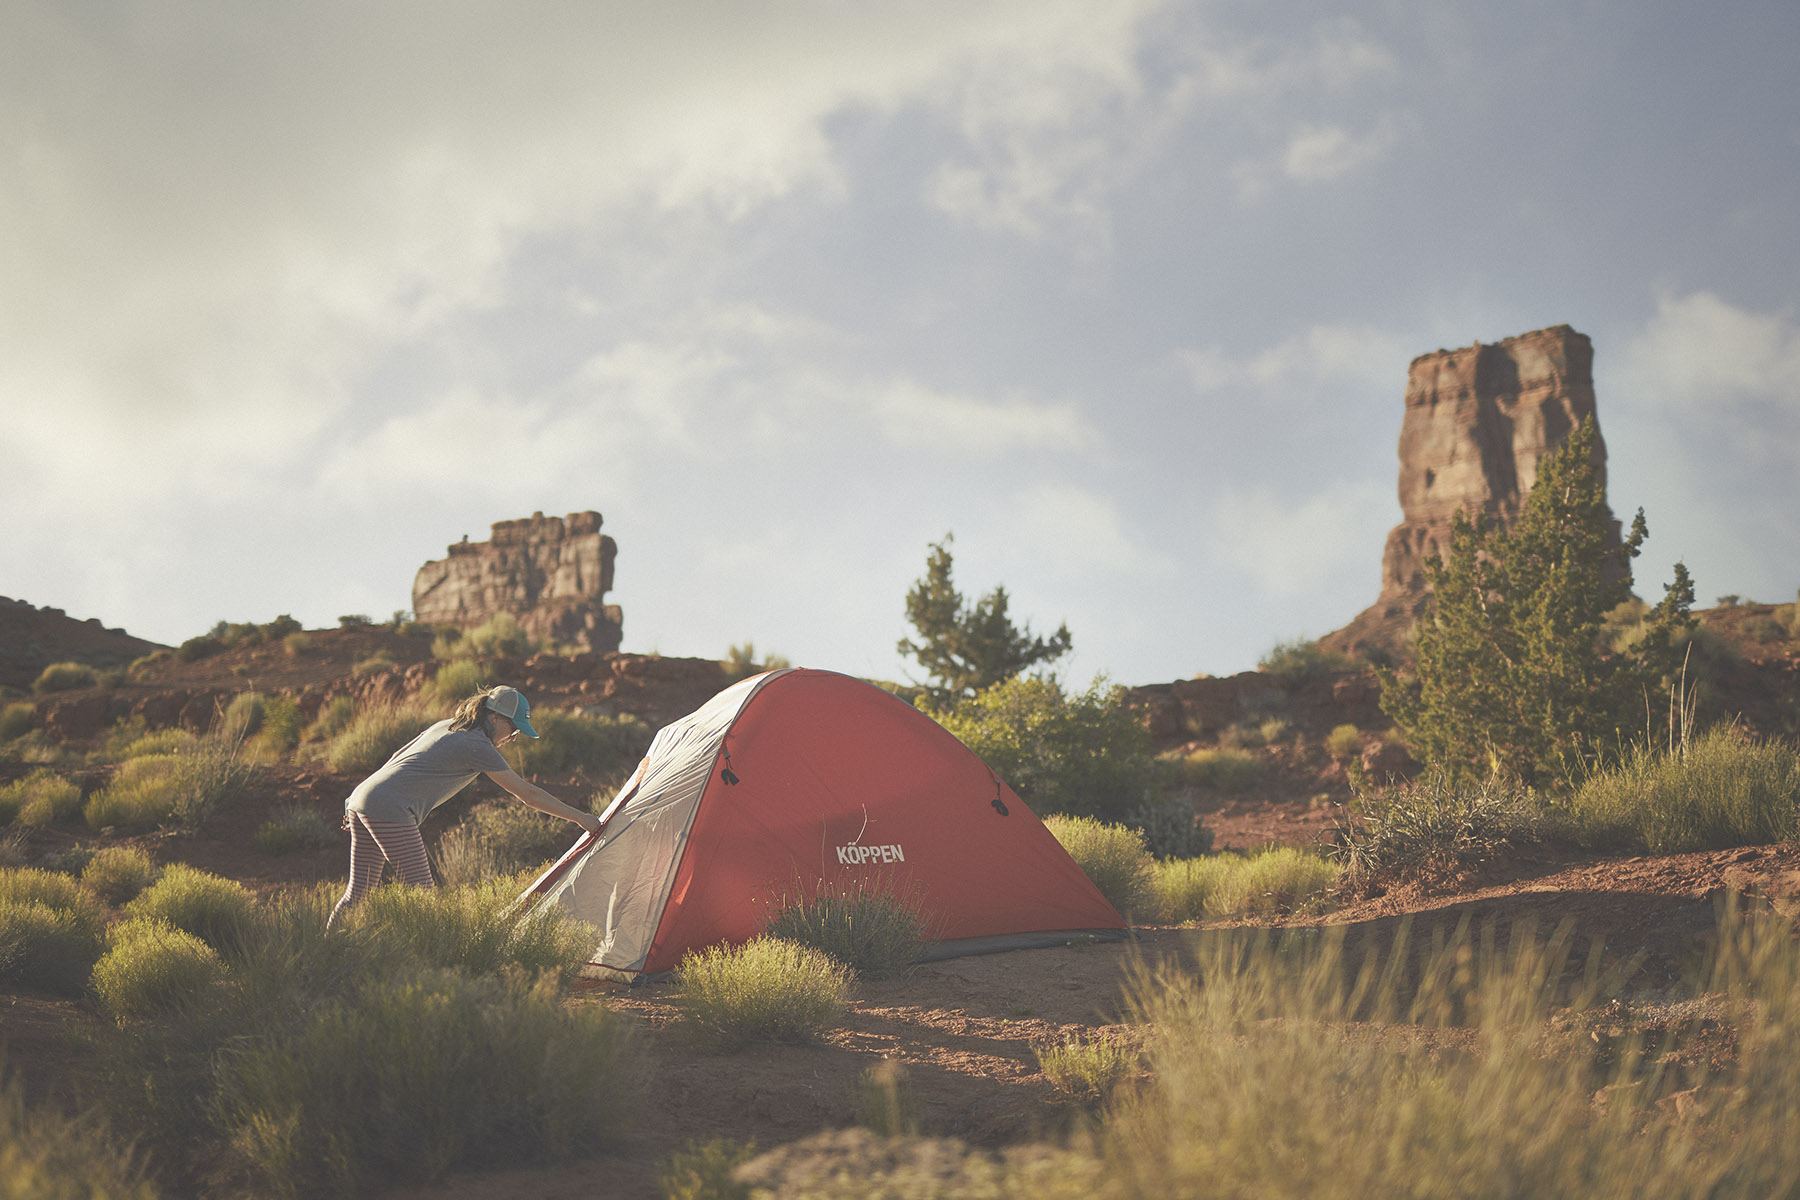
<point x="333" y="718"/>
<point x="572" y="743"/>
<point x="183" y="788"/>
<point x="418" y="1072"/>
<point x="65" y="677"/>
<point x="765" y="990"/>
<point x="297" y="645"/>
<point x="498" y="636"/>
<point x="381" y="660"/>
<point x="1085" y="754"/>
<point x="243" y="716"/>
<point x="475" y="929"/>
<point x="1343" y="741"/>
<point x="1113" y="856"/>
<point x="1171" y="827"/>
<point x="293" y="828"/>
<point x="1303" y="660"/>
<point x="703" y="1171"/>
<point x="220" y="912"/>
<point x="45" y="1155"/>
<point x="741" y="662"/>
<point x="867" y="928"/>
<point x="50" y="930"/>
<point x="132" y="742"/>
<point x="453" y="682"/>
<point x="499" y="840"/>
<point x="152" y="968"/>
<point x="1434" y="826"/>
<point x="39" y="799"/>
<point x="1721" y="790"/>
<point x="372" y="737"/>
<point x="1279" y="879"/>
<point x="1224" y="769"/>
<point x="116" y="874"/>
<point x="197" y="648"/>
<point x="17" y="718"/>
<point x="885" y="1104"/>
<point x="1087" y="1070"/>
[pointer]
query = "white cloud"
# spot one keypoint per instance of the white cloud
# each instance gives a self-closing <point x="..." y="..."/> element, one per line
<point x="1287" y="544"/>
<point x="1702" y="354"/>
<point x="1315" y="356"/>
<point x="1078" y="527"/>
<point x="915" y="417"/>
<point x="1320" y="153"/>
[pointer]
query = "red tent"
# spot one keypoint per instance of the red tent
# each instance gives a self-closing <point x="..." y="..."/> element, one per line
<point x="798" y="782"/>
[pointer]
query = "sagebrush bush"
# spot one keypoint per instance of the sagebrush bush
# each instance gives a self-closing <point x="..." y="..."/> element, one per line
<point x="373" y="735"/>
<point x="39" y="799"/>
<point x="182" y="788"/>
<point x="1434" y="825"/>
<point x="573" y="743"/>
<point x="476" y="929"/>
<point x="1085" y="754"/>
<point x="220" y="912"/>
<point x="1171" y="827"/>
<point x="499" y="840"/>
<point x="1224" y="769"/>
<point x="452" y="683"/>
<point x="134" y="742"/>
<point x="151" y="968"/>
<point x="767" y="990"/>
<point x="420" y="1071"/>
<point x="871" y="929"/>
<point x="117" y="874"/>
<point x="296" y="645"/>
<point x="1279" y="879"/>
<point x="65" y="677"/>
<point x="1303" y="660"/>
<point x="1721" y="789"/>
<point x="498" y="636"/>
<point x="1343" y="741"/>
<point x="293" y="828"/>
<point x="47" y="1155"/>
<point x="333" y="718"/>
<point x="50" y="930"/>
<point x="1114" y="857"/>
<point x="16" y="718"/>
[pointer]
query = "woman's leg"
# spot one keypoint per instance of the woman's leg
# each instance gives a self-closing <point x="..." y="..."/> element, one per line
<point x="373" y="843"/>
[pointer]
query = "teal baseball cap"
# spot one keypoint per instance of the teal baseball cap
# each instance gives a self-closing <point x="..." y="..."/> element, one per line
<point x="511" y="704"/>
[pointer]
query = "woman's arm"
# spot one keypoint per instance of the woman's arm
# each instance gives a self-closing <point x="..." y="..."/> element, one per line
<point x="532" y="796"/>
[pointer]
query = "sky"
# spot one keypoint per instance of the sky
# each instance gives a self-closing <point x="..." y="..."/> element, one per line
<point x="1121" y="295"/>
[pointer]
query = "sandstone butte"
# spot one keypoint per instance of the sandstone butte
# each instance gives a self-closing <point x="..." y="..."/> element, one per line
<point x="1478" y="420"/>
<point x="552" y="573"/>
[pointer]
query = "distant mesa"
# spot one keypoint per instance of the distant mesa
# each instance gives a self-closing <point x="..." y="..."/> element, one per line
<point x="32" y="638"/>
<point x="1478" y="421"/>
<point x="551" y="573"/>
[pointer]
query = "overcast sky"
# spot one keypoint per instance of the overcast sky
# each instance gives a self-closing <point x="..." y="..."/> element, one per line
<point x="1122" y="293"/>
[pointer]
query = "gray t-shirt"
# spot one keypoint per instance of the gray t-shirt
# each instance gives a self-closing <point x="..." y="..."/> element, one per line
<point x="424" y="773"/>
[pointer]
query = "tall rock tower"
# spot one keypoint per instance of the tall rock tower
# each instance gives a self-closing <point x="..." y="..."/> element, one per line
<point x="552" y="573"/>
<point x="1477" y="422"/>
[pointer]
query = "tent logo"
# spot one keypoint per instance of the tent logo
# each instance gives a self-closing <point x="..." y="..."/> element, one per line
<point x="853" y="856"/>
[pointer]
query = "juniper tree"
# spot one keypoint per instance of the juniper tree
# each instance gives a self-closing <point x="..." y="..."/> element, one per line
<point x="1512" y="673"/>
<point x="967" y="648"/>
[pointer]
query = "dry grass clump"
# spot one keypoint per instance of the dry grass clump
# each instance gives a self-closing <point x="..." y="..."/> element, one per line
<point x="1228" y="769"/>
<point x="476" y="929"/>
<point x="46" y="1155"/>
<point x="867" y="928"/>
<point x="373" y="735"/>
<point x="153" y="968"/>
<point x="1433" y="826"/>
<point x="1717" y="790"/>
<point x="452" y="683"/>
<point x="499" y="840"/>
<point x="116" y="874"/>
<point x="50" y="930"/>
<point x="220" y="912"/>
<point x="1278" y="879"/>
<point x="1087" y="1070"/>
<point x="575" y="743"/>
<point x="182" y="788"/>
<point x="1114" y="857"/>
<point x="767" y="990"/>
<point x="293" y="828"/>
<point x="65" y="677"/>
<point x="39" y="799"/>
<point x="1343" y="741"/>
<point x="16" y="719"/>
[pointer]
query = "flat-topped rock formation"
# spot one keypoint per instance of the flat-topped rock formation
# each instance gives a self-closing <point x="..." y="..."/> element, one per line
<point x="1478" y="420"/>
<point x="551" y="573"/>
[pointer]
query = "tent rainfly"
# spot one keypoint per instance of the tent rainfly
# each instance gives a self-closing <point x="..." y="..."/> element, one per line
<point x="801" y="782"/>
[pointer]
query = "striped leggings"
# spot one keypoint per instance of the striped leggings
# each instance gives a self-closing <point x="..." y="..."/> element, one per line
<point x="377" y="843"/>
